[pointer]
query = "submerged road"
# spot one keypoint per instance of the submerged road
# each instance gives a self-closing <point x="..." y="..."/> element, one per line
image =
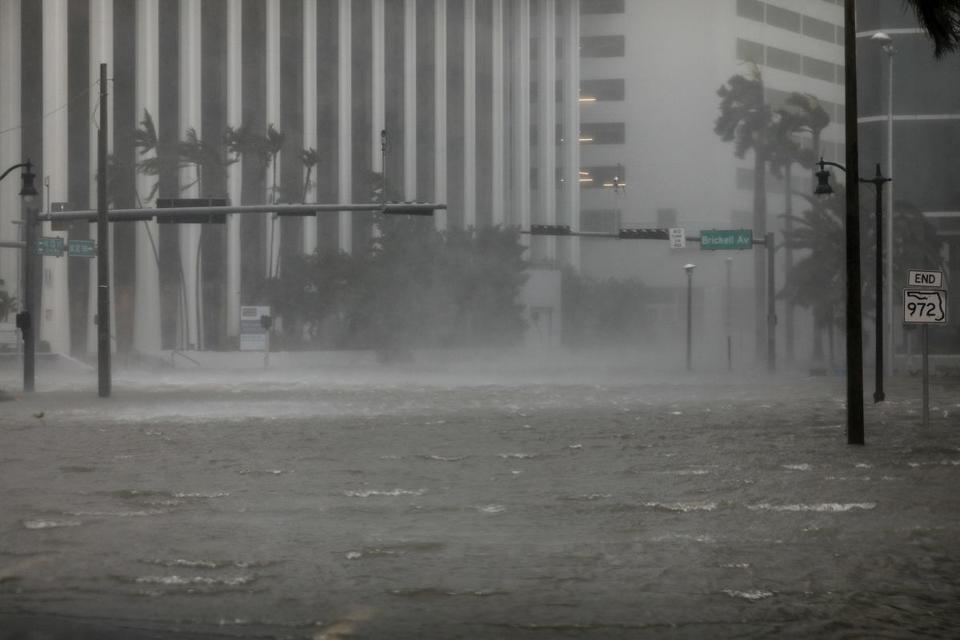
<point x="367" y="505"/>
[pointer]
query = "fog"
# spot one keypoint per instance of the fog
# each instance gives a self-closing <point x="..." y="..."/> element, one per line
<point x="597" y="387"/>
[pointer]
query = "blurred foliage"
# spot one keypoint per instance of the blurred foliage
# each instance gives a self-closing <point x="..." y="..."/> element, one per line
<point x="8" y="304"/>
<point x="603" y="312"/>
<point x="415" y="288"/>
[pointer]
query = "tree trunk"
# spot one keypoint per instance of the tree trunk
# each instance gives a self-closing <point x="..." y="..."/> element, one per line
<point x="759" y="257"/>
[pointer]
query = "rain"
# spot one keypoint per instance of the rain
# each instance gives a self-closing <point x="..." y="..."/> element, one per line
<point x="328" y="319"/>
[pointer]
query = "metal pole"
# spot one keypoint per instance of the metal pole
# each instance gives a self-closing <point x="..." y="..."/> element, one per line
<point x="926" y="376"/>
<point x="727" y="310"/>
<point x="689" y="319"/>
<point x="889" y="284"/>
<point x="852" y="231"/>
<point x="771" y="306"/>
<point x="31" y="297"/>
<point x="103" y="248"/>
<point x="878" y="395"/>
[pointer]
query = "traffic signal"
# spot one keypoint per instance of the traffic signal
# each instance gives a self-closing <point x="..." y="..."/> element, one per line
<point x="644" y="234"/>
<point x="550" y="230"/>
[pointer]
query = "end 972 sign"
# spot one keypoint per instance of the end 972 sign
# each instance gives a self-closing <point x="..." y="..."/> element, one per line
<point x="924" y="306"/>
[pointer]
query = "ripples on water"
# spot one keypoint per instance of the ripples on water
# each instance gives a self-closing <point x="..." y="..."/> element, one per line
<point x="486" y="513"/>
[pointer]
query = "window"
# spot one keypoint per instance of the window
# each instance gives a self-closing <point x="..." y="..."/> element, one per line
<point x="603" y="132"/>
<point x="819" y="29"/>
<point x="602" y="47"/>
<point x="819" y="69"/>
<point x="750" y="9"/>
<point x="603" y="90"/>
<point x="588" y="7"/>
<point x="784" y="60"/>
<point x="749" y="51"/>
<point x="603" y="176"/>
<point x="783" y="18"/>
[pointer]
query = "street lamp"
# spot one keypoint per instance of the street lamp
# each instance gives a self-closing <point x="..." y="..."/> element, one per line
<point x="689" y="269"/>
<point x="886" y="43"/>
<point x="25" y="318"/>
<point x="824" y="188"/>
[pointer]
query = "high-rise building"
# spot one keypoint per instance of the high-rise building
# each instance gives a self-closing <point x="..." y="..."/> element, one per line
<point x="650" y="158"/>
<point x="440" y="95"/>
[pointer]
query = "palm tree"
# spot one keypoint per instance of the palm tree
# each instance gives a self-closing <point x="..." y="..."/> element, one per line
<point x="745" y="119"/>
<point x="202" y="155"/>
<point x="800" y="113"/>
<point x="310" y="159"/>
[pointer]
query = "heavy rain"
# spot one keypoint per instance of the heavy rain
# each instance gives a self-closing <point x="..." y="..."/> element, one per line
<point x="328" y="319"/>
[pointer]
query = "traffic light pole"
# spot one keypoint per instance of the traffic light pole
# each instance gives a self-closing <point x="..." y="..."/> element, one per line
<point x="103" y="249"/>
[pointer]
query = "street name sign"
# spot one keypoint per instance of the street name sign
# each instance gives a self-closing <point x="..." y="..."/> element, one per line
<point x="678" y="238"/>
<point x="82" y="248"/>
<point x="924" y="306"/>
<point x="50" y="247"/>
<point x="918" y="278"/>
<point x="726" y="239"/>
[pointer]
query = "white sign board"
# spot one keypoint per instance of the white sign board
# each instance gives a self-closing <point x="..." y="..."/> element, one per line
<point x="678" y="238"/>
<point x="925" y="279"/>
<point x="253" y="337"/>
<point x="924" y="306"/>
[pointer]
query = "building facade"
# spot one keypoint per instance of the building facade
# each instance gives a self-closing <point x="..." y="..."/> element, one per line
<point x="650" y="158"/>
<point x="444" y="97"/>
<point x="916" y="139"/>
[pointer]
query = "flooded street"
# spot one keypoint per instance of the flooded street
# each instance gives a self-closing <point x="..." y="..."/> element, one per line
<point x="492" y="506"/>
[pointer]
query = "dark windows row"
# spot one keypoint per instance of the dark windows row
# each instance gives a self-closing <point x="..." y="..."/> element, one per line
<point x="603" y="47"/>
<point x="596" y="7"/>
<point x="784" y="60"/>
<point x="603" y="90"/>
<point x="790" y="20"/>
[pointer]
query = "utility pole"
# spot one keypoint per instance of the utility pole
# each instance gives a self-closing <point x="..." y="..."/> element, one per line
<point x="103" y="248"/>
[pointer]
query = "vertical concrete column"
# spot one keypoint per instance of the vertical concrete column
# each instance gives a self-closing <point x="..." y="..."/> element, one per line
<point x="469" y="113"/>
<point x="498" y="98"/>
<point x="101" y="51"/>
<point x="272" y="57"/>
<point x="235" y="170"/>
<point x="54" y="303"/>
<point x="571" y="124"/>
<point x="410" y="100"/>
<point x="10" y="144"/>
<point x="310" y="138"/>
<point x="547" y="121"/>
<point x="146" y="308"/>
<point x="191" y="88"/>
<point x="521" y="115"/>
<point x="440" y="111"/>
<point x="378" y="80"/>
<point x="345" y="115"/>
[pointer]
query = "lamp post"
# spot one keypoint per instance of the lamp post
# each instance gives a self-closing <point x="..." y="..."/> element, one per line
<point x="25" y="318"/>
<point x="727" y="309"/>
<point x="689" y="269"/>
<point x="886" y="43"/>
<point x="824" y="188"/>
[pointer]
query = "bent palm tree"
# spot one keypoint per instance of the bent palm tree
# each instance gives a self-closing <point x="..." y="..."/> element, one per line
<point x="745" y="120"/>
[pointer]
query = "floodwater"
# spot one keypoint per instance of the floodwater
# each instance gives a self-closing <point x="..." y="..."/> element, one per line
<point x="326" y="506"/>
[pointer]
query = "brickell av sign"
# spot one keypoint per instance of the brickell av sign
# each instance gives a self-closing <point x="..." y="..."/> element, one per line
<point x="737" y="239"/>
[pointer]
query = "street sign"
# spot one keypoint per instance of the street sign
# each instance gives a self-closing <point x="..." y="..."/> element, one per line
<point x="726" y="239"/>
<point x="253" y="335"/>
<point x="924" y="306"/>
<point x="82" y="248"/>
<point x="678" y="238"/>
<point x="925" y="279"/>
<point x="50" y="247"/>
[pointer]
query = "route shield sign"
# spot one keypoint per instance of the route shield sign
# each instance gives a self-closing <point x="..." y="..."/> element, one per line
<point x="50" y="246"/>
<point x="82" y="248"/>
<point x="726" y="239"/>
<point x="924" y="306"/>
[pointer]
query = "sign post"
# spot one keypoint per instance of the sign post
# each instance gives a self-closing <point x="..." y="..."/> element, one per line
<point x="925" y="307"/>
